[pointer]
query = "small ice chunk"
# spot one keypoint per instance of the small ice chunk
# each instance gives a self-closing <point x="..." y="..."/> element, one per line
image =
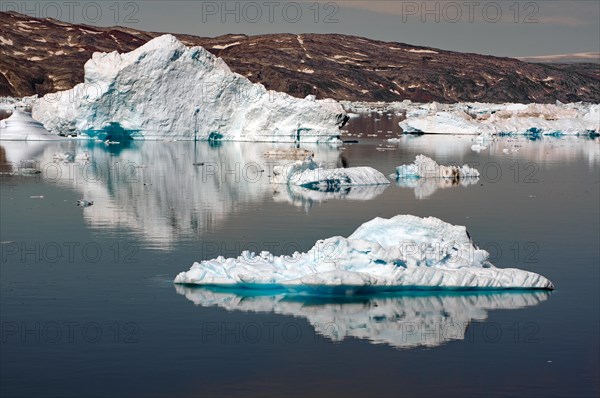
<point x="424" y="167"/>
<point x="313" y="175"/>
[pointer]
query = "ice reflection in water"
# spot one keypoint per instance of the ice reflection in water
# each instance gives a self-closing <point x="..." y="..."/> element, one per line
<point x="307" y="198"/>
<point x="155" y="190"/>
<point x="545" y="150"/>
<point x="406" y="320"/>
<point x="425" y="187"/>
<point x="161" y="190"/>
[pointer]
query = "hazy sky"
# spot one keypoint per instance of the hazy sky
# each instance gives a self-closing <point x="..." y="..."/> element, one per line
<point x="505" y="28"/>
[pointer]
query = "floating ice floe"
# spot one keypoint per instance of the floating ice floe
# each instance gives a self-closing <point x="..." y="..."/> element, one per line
<point x="520" y="119"/>
<point x="164" y="90"/>
<point x="404" y="252"/>
<point x="424" y="167"/>
<point x="84" y="203"/>
<point x="314" y="175"/>
<point x="20" y="126"/>
<point x="402" y="320"/>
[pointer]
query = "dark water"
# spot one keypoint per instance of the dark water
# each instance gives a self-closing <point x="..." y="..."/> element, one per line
<point x="88" y="307"/>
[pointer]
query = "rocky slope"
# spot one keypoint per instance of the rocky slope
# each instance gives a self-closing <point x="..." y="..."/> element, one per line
<point x="45" y="55"/>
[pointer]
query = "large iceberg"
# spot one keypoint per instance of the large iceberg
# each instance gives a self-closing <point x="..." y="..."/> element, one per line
<point x="20" y="126"/>
<point x="165" y="90"/>
<point x="403" y="252"/>
<point x="424" y="167"/>
<point x="314" y="175"/>
<point x="480" y="118"/>
<point x="403" y="320"/>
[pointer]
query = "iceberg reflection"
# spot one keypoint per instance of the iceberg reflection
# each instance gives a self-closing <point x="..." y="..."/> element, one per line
<point x="425" y="187"/>
<point x="546" y="150"/>
<point x="161" y="191"/>
<point x="307" y="198"/>
<point x="406" y="320"/>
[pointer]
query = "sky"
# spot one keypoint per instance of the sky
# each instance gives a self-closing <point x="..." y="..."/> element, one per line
<point x="502" y="27"/>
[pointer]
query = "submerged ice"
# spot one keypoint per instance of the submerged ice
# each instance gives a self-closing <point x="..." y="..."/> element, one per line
<point x="165" y="90"/>
<point x="403" y="252"/>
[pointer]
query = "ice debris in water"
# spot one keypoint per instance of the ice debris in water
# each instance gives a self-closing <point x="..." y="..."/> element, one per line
<point x="84" y="203"/>
<point x="314" y="175"/>
<point x="403" y="252"/>
<point x="424" y="167"/>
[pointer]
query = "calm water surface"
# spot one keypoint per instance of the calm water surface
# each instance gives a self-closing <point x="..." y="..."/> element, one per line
<point x="88" y="307"/>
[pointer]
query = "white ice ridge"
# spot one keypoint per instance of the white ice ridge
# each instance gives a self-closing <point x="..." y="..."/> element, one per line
<point x="20" y="126"/>
<point x="424" y="167"/>
<point x="402" y="320"/>
<point x="314" y="175"/>
<point x="403" y="252"/>
<point x="480" y="118"/>
<point x="165" y="90"/>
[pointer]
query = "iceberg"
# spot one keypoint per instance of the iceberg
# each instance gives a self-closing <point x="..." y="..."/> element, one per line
<point x="424" y="167"/>
<point x="314" y="175"/>
<point x="165" y="90"/>
<point x="404" y="320"/>
<point x="403" y="252"/>
<point x="20" y="126"/>
<point x="518" y="119"/>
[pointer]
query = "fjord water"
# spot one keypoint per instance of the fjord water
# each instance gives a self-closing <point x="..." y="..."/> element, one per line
<point x="89" y="309"/>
